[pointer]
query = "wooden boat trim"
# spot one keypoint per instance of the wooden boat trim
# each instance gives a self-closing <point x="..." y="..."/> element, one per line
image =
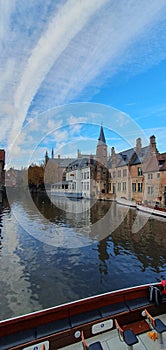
<point x="69" y="311"/>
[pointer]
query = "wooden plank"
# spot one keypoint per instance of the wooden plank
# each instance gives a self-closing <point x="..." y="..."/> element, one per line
<point x="138" y="327"/>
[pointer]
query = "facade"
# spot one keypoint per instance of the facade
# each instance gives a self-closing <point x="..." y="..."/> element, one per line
<point x="11" y="178"/>
<point x="55" y="168"/>
<point x="120" y="178"/>
<point x="136" y="171"/>
<point x="80" y="175"/>
<point x="137" y="174"/>
<point x="155" y="175"/>
<point x="162" y="172"/>
<point x="88" y="174"/>
<point x="2" y="170"/>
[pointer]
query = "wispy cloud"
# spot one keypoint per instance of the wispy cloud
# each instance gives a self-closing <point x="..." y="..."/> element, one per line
<point x="53" y="53"/>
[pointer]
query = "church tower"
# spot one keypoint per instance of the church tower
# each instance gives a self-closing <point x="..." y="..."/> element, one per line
<point x="101" y="150"/>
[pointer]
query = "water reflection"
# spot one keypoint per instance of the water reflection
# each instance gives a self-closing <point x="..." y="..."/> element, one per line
<point x="37" y="275"/>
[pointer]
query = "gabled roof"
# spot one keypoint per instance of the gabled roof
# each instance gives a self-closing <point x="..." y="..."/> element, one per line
<point x="129" y="156"/>
<point x="139" y="157"/>
<point x="125" y="157"/>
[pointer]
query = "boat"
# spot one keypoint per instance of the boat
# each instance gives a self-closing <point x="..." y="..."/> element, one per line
<point x="93" y="321"/>
<point x="152" y="210"/>
<point x="63" y="189"/>
<point x="127" y="202"/>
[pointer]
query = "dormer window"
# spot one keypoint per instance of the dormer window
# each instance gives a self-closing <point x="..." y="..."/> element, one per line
<point x="161" y="162"/>
<point x="140" y="171"/>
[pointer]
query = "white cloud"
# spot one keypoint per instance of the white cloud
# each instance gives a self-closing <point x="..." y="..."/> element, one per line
<point x="69" y="20"/>
<point x="60" y="135"/>
<point x="66" y="49"/>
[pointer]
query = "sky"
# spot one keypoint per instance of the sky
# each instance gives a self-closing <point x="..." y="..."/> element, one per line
<point x="68" y="66"/>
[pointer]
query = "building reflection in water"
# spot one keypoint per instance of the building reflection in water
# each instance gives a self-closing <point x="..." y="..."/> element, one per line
<point x="94" y="251"/>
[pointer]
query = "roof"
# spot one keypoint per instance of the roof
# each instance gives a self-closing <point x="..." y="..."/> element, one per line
<point x="139" y="157"/>
<point x="129" y="156"/>
<point x="123" y="158"/>
<point x="62" y="162"/>
<point x="80" y="163"/>
<point x="61" y="183"/>
<point x="101" y="138"/>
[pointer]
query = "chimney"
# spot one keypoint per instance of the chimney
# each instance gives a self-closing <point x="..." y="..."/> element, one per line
<point x="153" y="148"/>
<point x="113" y="155"/>
<point x="138" y="145"/>
<point x="59" y="156"/>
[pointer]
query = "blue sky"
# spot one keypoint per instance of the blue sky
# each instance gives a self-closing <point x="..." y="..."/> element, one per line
<point x="59" y="55"/>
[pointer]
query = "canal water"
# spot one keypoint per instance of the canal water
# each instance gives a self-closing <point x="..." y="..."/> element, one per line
<point x="55" y="250"/>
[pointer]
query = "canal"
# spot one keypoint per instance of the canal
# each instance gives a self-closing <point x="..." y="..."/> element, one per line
<point x="57" y="250"/>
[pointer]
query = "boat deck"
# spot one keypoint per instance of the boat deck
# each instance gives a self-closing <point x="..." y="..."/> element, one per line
<point x="110" y="341"/>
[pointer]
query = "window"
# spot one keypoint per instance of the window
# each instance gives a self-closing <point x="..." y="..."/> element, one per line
<point x="124" y="172"/>
<point x="114" y="173"/>
<point x="124" y="186"/>
<point x="158" y="175"/>
<point x="139" y="186"/>
<point x="84" y="175"/>
<point x="119" y="186"/>
<point x="119" y="173"/>
<point x="150" y="176"/>
<point x="133" y="187"/>
<point x="150" y="190"/>
<point x="87" y="175"/>
<point x="140" y="171"/>
<point x="87" y="186"/>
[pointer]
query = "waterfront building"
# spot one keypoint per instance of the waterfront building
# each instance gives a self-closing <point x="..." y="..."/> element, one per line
<point x="90" y="174"/>
<point x="80" y="176"/>
<point x="137" y="174"/>
<point x="87" y="174"/>
<point x="119" y="169"/>
<point x="2" y="168"/>
<point x="162" y="172"/>
<point x="154" y="170"/>
<point x="55" y="168"/>
<point x="136" y="171"/>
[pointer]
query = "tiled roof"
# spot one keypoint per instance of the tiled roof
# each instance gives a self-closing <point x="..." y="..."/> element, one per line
<point x="139" y="157"/>
<point x="80" y="163"/>
<point x="62" y="162"/>
<point x="122" y="158"/>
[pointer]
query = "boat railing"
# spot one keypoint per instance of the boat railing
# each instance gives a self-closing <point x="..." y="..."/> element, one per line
<point x="62" y="322"/>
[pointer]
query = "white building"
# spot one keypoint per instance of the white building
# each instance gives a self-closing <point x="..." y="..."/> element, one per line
<point x="80" y="177"/>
